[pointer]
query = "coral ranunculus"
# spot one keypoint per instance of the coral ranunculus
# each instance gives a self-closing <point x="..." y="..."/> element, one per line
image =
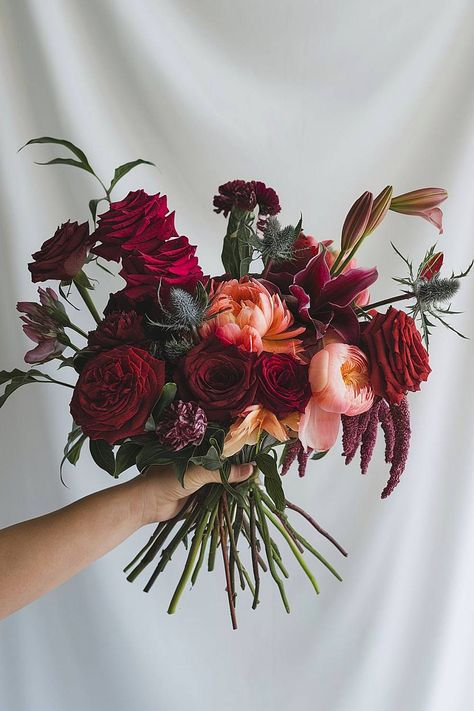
<point x="339" y="378"/>
<point x="115" y="393"/>
<point x="245" y="313"/>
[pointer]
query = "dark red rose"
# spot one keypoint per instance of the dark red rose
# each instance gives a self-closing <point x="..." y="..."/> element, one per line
<point x="398" y="360"/>
<point x="63" y="255"/>
<point x="115" y="393"/>
<point x="173" y="263"/>
<point x="117" y="328"/>
<point x="220" y="378"/>
<point x="139" y="221"/>
<point x="283" y="384"/>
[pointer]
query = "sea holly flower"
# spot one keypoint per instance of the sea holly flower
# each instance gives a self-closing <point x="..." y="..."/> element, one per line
<point x="44" y="324"/>
<point x="339" y="379"/>
<point x="244" y="312"/>
<point x="326" y="301"/>
<point x="424" y="203"/>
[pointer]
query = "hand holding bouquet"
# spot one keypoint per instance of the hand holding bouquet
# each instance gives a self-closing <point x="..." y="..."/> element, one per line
<point x="263" y="364"/>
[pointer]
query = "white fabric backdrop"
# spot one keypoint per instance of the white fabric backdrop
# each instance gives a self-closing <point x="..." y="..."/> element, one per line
<point x="321" y="100"/>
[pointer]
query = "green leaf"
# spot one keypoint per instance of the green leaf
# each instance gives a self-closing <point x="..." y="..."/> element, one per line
<point x="272" y="479"/>
<point x="18" y="378"/>
<point x="93" y="207"/>
<point x="73" y="446"/>
<point x="211" y="460"/>
<point x="167" y="396"/>
<point x="103" y="455"/>
<point x="124" y="169"/>
<point x="66" y="144"/>
<point x="125" y="457"/>
<point x="237" y="247"/>
<point x="65" y="161"/>
<point x="153" y="453"/>
<point x="319" y="455"/>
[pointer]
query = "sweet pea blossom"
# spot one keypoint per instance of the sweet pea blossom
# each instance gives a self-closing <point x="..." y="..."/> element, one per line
<point x="339" y="379"/>
<point x="245" y="313"/>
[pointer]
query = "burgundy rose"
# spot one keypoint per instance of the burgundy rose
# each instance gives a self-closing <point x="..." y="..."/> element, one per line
<point x="139" y="221"/>
<point x="63" y="255"/>
<point x="183" y="424"/>
<point x="398" y="360"/>
<point x="117" y="328"/>
<point x="173" y="263"/>
<point x="115" y="393"/>
<point x="283" y="384"/>
<point x="220" y="378"/>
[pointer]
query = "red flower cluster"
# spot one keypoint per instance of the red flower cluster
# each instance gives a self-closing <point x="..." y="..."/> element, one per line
<point x="247" y="196"/>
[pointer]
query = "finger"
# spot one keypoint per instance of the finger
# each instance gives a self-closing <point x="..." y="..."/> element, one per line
<point x="198" y="476"/>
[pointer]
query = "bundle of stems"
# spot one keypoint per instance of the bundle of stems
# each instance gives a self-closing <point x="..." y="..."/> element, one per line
<point x="215" y="518"/>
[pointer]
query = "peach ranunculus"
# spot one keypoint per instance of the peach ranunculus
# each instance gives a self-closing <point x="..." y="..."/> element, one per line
<point x="339" y="379"/>
<point x="255" y="420"/>
<point x="245" y="313"/>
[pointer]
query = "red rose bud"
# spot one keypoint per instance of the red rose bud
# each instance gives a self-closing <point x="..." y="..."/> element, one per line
<point x="432" y="267"/>
<point x="139" y="221"/>
<point x="424" y="203"/>
<point x="398" y="360"/>
<point x="220" y="378"/>
<point x="115" y="393"/>
<point x="356" y="221"/>
<point x="117" y="328"/>
<point x="283" y="385"/>
<point x="63" y="256"/>
<point x="380" y="208"/>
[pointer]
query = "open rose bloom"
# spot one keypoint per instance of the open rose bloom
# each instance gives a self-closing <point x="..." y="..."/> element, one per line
<point x="277" y="360"/>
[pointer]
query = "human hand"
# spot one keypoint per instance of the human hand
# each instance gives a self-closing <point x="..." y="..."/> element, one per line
<point x="161" y="496"/>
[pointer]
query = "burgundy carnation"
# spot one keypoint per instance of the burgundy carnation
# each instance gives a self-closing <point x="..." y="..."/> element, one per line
<point x="115" y="393"/>
<point x="117" y="328"/>
<point x="63" y="255"/>
<point x="283" y="385"/>
<point x="183" y="424"/>
<point x="173" y="263"/>
<point x="220" y="378"/>
<point x="139" y="221"/>
<point x="246" y="195"/>
<point x="398" y="360"/>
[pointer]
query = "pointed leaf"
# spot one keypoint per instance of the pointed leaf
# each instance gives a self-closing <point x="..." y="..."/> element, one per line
<point x="126" y="457"/>
<point x="66" y="144"/>
<point x="103" y="455"/>
<point x="66" y="161"/>
<point x="124" y="169"/>
<point x="272" y="479"/>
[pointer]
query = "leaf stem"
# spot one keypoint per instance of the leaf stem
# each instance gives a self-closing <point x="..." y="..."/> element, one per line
<point x="392" y="300"/>
<point x="225" y="558"/>
<point x="88" y="302"/>
<point x="316" y="525"/>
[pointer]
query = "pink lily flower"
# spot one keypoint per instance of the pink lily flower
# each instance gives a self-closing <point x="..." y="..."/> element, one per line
<point x="43" y="326"/>
<point x="424" y="203"/>
<point x="339" y="378"/>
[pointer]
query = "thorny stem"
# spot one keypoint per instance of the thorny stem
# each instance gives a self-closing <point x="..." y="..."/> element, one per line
<point x="253" y="546"/>
<point x="230" y="591"/>
<point x="210" y="527"/>
<point x="147" y="545"/>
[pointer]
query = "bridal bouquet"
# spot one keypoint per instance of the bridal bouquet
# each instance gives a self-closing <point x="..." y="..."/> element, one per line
<point x="264" y="363"/>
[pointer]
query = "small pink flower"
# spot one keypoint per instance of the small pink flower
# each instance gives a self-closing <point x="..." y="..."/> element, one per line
<point x="339" y="379"/>
<point x="44" y="325"/>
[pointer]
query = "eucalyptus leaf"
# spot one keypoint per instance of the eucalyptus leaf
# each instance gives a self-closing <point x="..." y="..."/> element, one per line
<point x="103" y="455"/>
<point x="124" y="169"/>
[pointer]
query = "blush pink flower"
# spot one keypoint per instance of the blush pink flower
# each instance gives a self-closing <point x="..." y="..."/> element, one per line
<point x="339" y="379"/>
<point x="255" y="420"/>
<point x="245" y="313"/>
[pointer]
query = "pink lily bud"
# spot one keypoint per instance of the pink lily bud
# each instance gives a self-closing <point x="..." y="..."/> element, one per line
<point x="380" y="208"/>
<point x="424" y="203"/>
<point x="356" y="221"/>
<point x="432" y="266"/>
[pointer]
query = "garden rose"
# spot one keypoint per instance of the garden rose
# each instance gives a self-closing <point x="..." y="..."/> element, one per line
<point x="220" y="378"/>
<point x="117" y="328"/>
<point x="173" y="263"/>
<point x="139" y="221"/>
<point x="398" y="360"/>
<point x="283" y="385"/>
<point x="115" y="393"/>
<point x="63" y="255"/>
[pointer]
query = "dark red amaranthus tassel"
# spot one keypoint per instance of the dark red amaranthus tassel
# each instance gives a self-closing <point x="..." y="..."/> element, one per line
<point x="291" y="452"/>
<point x="401" y="423"/>
<point x="303" y="457"/>
<point x="369" y="438"/>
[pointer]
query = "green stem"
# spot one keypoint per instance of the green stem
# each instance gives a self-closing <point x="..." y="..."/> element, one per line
<point x="268" y="547"/>
<point x="88" y="302"/>
<point x="293" y="547"/>
<point x="213" y="547"/>
<point x="392" y="300"/>
<point x="76" y="329"/>
<point x="209" y="529"/>
<point x="197" y="539"/>
<point x="337" y="262"/>
<point x="58" y="382"/>
<point x="147" y="545"/>
<point x="152" y="552"/>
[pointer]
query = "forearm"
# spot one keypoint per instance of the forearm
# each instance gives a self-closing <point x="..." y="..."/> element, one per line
<point x="38" y="555"/>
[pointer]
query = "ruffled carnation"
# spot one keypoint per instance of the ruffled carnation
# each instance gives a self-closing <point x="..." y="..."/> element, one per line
<point x="246" y="195"/>
<point x="184" y="424"/>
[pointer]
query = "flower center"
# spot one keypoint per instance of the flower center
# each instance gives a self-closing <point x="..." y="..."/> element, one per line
<point x="354" y="375"/>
